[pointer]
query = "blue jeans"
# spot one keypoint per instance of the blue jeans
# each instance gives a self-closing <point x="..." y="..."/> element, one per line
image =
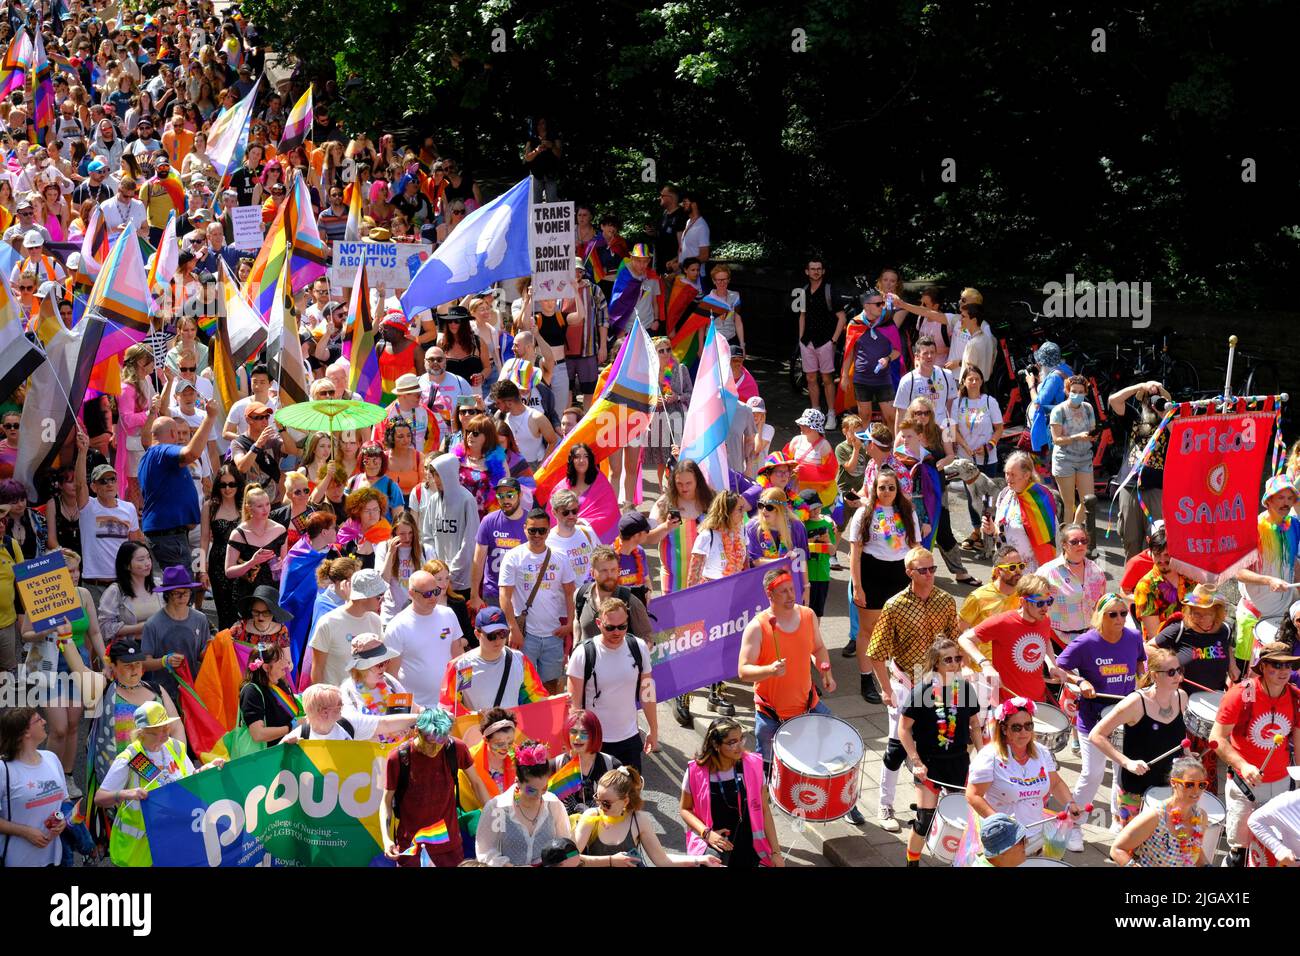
<point x="765" y="728"/>
<point x="853" y="615"/>
<point x="547" y="654"/>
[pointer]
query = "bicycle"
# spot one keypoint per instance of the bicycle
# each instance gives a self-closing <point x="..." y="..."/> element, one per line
<point x="1153" y="360"/>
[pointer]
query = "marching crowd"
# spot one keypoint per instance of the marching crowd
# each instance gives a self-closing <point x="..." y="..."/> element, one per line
<point x="381" y="583"/>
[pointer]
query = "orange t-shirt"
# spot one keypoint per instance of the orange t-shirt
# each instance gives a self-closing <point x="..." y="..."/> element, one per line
<point x="792" y="693"/>
<point x="178" y="144"/>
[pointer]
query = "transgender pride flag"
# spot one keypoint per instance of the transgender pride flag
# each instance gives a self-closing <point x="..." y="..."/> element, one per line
<point x="713" y="406"/>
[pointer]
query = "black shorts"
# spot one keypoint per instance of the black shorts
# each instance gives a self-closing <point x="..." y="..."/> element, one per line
<point x="873" y="393"/>
<point x="881" y="580"/>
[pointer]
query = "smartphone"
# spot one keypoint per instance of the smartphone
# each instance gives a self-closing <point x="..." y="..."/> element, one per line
<point x="675" y="515"/>
<point x="851" y="496"/>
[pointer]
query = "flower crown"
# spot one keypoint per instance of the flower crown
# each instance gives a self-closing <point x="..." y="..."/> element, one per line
<point x="533" y="755"/>
<point x="1008" y="707"/>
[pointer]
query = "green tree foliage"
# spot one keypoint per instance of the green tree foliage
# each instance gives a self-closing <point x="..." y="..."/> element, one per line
<point x="825" y="125"/>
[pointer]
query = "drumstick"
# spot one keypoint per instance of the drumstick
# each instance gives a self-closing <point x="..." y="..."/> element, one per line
<point x="1278" y="741"/>
<point x="1185" y="744"/>
<point x="1075" y="688"/>
<point x="1199" y="686"/>
<point x="1087" y="808"/>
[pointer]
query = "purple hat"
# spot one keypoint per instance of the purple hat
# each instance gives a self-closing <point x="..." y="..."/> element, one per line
<point x="177" y="578"/>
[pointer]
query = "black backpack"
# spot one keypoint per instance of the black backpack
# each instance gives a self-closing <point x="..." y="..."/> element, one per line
<point x="589" y="670"/>
<point x="404" y="774"/>
<point x="342" y="722"/>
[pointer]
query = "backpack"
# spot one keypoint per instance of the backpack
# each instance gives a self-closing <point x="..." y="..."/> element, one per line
<point x="622" y="592"/>
<point x="404" y="774"/>
<point x="589" y="671"/>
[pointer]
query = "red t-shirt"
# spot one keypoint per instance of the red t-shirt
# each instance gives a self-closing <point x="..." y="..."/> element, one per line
<point x="1019" y="649"/>
<point x="1254" y="723"/>
<point x="430" y="796"/>
<point x="1135" y="570"/>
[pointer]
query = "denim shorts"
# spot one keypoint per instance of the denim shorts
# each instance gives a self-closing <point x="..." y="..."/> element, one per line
<point x="547" y="655"/>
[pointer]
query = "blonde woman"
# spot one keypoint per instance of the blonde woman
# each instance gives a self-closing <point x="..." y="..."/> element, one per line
<point x="187" y="343"/>
<point x="720" y="548"/>
<point x="295" y="508"/>
<point x="774" y="533"/>
<point x="257" y="547"/>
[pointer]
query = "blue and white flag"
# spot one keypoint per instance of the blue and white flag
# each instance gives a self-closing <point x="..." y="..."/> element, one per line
<point x="490" y="245"/>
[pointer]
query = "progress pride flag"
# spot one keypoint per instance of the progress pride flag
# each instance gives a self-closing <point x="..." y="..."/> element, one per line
<point x="1213" y="472"/>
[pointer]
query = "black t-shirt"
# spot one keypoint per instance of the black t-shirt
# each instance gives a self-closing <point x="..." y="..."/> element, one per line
<point x="464" y="191"/>
<point x="545" y="165"/>
<point x="923" y="710"/>
<point x="666" y="239"/>
<point x="551" y="327"/>
<point x="265" y="470"/>
<point x="256" y="704"/>
<point x="1205" y="657"/>
<point x="819" y="317"/>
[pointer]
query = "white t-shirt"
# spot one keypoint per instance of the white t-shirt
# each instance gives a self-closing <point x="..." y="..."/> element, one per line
<point x="891" y="547"/>
<point x="615" y="678"/>
<point x="519" y="569"/>
<point x="28" y="795"/>
<point x="238" y="414"/>
<point x="396" y="598"/>
<point x="425" y="643"/>
<point x="978" y="349"/>
<point x="577" y="547"/>
<point x="694" y="238"/>
<point x="479" y="692"/>
<point x="975" y="419"/>
<point x="103" y="531"/>
<point x="1016" y="789"/>
<point x="364" y="727"/>
<point x="710" y="544"/>
<point x="333" y="635"/>
<point x="205" y="389"/>
<point x="940" y="388"/>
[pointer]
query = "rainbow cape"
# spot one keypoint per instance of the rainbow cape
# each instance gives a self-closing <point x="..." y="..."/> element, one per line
<point x="625" y="295"/>
<point x="566" y="781"/>
<point x="1038" y="512"/>
<point x="815" y="472"/>
<point x="679" y="296"/>
<point x="675" y="554"/>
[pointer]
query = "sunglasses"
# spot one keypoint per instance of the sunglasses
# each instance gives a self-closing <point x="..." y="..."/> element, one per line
<point x="1191" y="784"/>
<point x="538" y="532"/>
<point x="106" y="481"/>
<point x="926" y="570"/>
<point x="1172" y="672"/>
<point x="1279" y="665"/>
<point x="496" y="636"/>
<point x="768" y="506"/>
<point x="372" y="454"/>
<point x="567" y="512"/>
<point x="613" y="628"/>
<point x="258" y="418"/>
<point x="1045" y="602"/>
<point x="299" y="491"/>
<point x="189" y="368"/>
<point x="1076" y="542"/>
<point x="1020" y="728"/>
<point x="507" y="494"/>
<point x="1114" y="614"/>
<point x="1018" y="566"/>
<point x="11" y="426"/>
<point x="950" y="660"/>
<point x="428" y="595"/>
<point x="227" y="484"/>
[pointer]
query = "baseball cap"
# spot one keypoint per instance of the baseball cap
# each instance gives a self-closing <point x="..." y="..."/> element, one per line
<point x="101" y="471"/>
<point x="490" y="620"/>
<point x="96" y="167"/>
<point x="634" y="522"/>
<point x="367" y="583"/>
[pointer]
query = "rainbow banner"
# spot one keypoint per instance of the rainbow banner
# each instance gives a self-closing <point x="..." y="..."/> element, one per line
<point x="312" y="804"/>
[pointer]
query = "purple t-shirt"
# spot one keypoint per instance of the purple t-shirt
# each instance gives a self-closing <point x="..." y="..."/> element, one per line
<point x="499" y="534"/>
<point x="873" y="345"/>
<point x="761" y="547"/>
<point x="1110" y="668"/>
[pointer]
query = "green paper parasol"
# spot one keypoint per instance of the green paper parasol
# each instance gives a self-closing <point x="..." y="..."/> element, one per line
<point x="329" y="415"/>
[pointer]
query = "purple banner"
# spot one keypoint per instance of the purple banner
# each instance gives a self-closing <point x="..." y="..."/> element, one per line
<point x="698" y="630"/>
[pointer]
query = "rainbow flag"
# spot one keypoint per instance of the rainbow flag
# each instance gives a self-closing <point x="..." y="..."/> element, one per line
<point x="95" y="246"/>
<point x="120" y="298"/>
<point x="259" y="288"/>
<point x="228" y="136"/>
<point x="678" y="298"/>
<point x="619" y="412"/>
<point x="532" y="688"/>
<point x="43" y="92"/>
<point x="686" y="340"/>
<point x="298" y="125"/>
<point x="595" y="268"/>
<point x="307" y="255"/>
<point x="175" y="190"/>
<point x="1038" y="512"/>
<point x="968" y="849"/>
<point x="566" y="781"/>
<point x="288" y="701"/>
<point x="284" y="347"/>
<point x="623" y="298"/>
<point x="352" y="231"/>
<point x="17" y="61"/>
<point x="524" y="374"/>
<point x="709" y="416"/>
<point x="359" y="348"/>
<point x="435" y="834"/>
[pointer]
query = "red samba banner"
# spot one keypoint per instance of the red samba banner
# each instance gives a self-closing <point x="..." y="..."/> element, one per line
<point x="1212" y="478"/>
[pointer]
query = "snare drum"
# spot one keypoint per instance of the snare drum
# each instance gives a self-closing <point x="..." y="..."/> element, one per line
<point x="1215" y="814"/>
<point x="1051" y="727"/>
<point x="1202" y="707"/>
<point x="947" y="827"/>
<point x="816" y="764"/>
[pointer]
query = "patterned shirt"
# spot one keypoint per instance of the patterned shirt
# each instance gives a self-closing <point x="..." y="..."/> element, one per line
<point x="1074" y="605"/>
<point x="908" y="626"/>
<point x="1156" y="596"/>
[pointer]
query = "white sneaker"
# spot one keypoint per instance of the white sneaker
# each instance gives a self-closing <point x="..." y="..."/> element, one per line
<point x="887" y="821"/>
<point x="830" y="420"/>
<point x="1075" y="842"/>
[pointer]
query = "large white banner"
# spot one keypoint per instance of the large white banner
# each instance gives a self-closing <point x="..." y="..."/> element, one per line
<point x="390" y="264"/>
<point x="550" y="235"/>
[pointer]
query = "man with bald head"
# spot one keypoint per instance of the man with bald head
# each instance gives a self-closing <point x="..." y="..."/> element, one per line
<point x="425" y="634"/>
<point x="171" y="503"/>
